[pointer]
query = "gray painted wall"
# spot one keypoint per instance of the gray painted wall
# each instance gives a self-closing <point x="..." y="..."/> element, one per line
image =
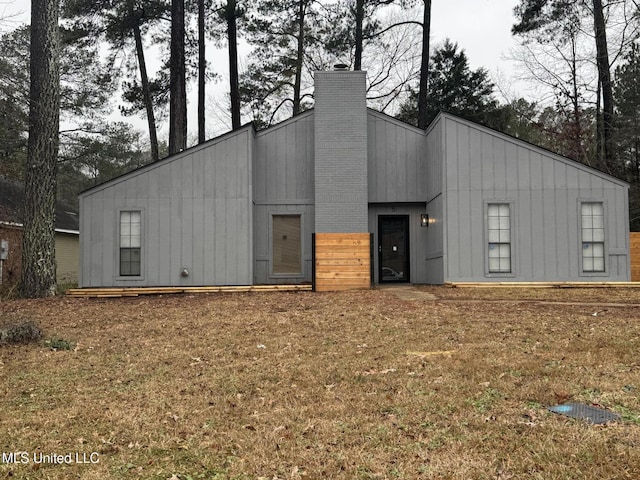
<point x="283" y="184"/>
<point x="435" y="250"/>
<point x="196" y="213"/>
<point x="210" y="208"/>
<point x="417" y="237"/>
<point x="545" y="191"/>
<point x="397" y="160"/>
<point x="340" y="152"/>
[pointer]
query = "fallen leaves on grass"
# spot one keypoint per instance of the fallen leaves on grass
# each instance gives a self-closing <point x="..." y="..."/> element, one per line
<point x="353" y="385"/>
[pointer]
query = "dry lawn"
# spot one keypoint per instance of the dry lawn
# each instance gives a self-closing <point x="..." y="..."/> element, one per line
<point x="355" y="385"/>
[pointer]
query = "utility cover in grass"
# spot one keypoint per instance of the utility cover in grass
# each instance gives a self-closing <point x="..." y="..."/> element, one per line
<point x="585" y="412"/>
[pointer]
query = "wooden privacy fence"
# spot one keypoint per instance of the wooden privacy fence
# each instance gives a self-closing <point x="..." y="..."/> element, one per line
<point x="634" y="251"/>
<point x="342" y="261"/>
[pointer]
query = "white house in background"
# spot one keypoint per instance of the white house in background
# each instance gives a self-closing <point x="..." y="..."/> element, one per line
<point x="387" y="202"/>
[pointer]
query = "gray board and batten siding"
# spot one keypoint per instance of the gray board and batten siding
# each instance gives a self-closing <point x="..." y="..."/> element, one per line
<point x="397" y="161"/>
<point x="211" y="210"/>
<point x="397" y="185"/>
<point x="196" y="210"/>
<point x="544" y="191"/>
<point x="283" y="183"/>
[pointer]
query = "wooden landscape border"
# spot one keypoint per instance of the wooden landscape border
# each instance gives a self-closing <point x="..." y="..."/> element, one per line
<point x="543" y="284"/>
<point x="136" y="291"/>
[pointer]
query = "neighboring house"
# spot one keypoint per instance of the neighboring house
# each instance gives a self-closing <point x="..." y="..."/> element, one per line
<point x="66" y="235"/>
<point x="457" y="202"/>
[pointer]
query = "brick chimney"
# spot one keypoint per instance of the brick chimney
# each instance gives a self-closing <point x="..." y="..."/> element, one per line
<point x="341" y="206"/>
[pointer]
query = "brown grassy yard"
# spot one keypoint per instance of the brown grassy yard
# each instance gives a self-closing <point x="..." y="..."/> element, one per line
<point x="355" y="385"/>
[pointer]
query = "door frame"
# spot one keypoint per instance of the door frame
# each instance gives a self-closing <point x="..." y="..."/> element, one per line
<point x="405" y="218"/>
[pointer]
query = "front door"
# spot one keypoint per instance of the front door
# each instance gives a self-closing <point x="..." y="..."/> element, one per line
<point x="393" y="248"/>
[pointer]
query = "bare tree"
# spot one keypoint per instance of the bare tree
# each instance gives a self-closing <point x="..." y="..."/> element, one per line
<point x="563" y="68"/>
<point x="548" y="19"/>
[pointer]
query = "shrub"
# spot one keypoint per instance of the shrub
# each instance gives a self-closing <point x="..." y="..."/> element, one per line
<point x="24" y="332"/>
<point x="61" y="288"/>
<point x="59" y="344"/>
<point x="9" y="291"/>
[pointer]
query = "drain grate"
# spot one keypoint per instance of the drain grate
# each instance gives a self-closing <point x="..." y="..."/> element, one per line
<point x="585" y="412"/>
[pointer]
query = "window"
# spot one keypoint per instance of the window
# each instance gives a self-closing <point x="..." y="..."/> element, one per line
<point x="287" y="247"/>
<point x="499" y="228"/>
<point x="592" y="237"/>
<point x="130" y="244"/>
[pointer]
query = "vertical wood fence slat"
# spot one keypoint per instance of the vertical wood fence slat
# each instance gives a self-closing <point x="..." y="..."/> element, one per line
<point x="634" y="247"/>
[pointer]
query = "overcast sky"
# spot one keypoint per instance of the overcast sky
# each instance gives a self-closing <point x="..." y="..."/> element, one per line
<point x="481" y="27"/>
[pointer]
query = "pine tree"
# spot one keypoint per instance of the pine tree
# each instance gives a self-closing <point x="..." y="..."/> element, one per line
<point x="424" y="68"/>
<point x="275" y="79"/>
<point x="453" y="87"/>
<point x="627" y="95"/>
<point x="202" y="69"/>
<point x="38" y="247"/>
<point x="123" y="24"/>
<point x="177" y="81"/>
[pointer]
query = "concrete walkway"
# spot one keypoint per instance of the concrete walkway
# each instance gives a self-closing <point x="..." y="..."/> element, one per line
<point x="407" y="292"/>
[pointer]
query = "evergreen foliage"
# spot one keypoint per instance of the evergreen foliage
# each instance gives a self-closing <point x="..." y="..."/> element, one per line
<point x="281" y="34"/>
<point x="627" y="140"/>
<point x="455" y="88"/>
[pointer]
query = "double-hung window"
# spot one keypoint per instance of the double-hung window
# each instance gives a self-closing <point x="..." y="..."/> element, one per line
<point x="499" y="235"/>
<point x="592" y="216"/>
<point x="130" y="244"/>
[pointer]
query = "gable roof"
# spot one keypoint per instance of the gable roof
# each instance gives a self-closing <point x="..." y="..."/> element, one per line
<point x="529" y="145"/>
<point x="283" y="123"/>
<point x="171" y="158"/>
<point x="12" y="201"/>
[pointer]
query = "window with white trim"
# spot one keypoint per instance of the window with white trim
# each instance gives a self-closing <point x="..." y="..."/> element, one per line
<point x="130" y="244"/>
<point x="499" y="236"/>
<point x="592" y="216"/>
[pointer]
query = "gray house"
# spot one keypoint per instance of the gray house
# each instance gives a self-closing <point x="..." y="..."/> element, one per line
<point x="370" y="198"/>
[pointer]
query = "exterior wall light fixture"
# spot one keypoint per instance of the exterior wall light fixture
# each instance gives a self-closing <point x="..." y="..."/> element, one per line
<point x="424" y="219"/>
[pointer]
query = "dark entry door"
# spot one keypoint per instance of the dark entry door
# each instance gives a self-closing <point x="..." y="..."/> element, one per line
<point x="393" y="248"/>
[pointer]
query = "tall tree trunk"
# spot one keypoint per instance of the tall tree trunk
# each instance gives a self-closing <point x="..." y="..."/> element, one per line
<point x="298" y="79"/>
<point x="424" y="66"/>
<point x="202" y="65"/>
<point x="577" y="140"/>
<point x="359" y="37"/>
<point x="177" y="81"/>
<point x="38" y="242"/>
<point x="600" y="157"/>
<point x="604" y="75"/>
<point x="233" y="63"/>
<point x="144" y="78"/>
